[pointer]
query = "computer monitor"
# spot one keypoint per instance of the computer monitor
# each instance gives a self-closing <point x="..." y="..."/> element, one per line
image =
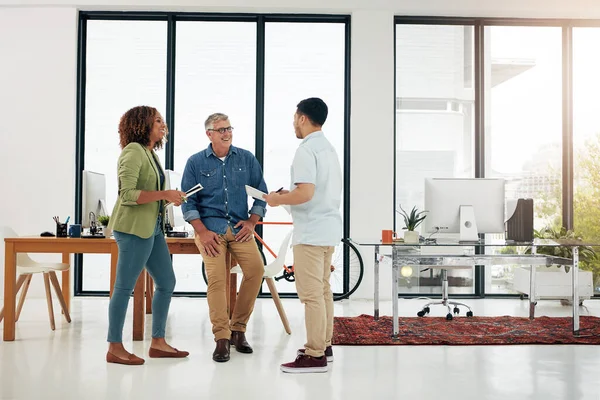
<point x="174" y="214"/>
<point x="465" y="206"/>
<point x="93" y="197"/>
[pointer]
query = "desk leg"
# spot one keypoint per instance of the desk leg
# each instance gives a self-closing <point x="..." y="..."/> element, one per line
<point x="532" y="273"/>
<point x="149" y="293"/>
<point x="10" y="295"/>
<point x="114" y="258"/>
<point x="138" y="307"/>
<point x="376" y="279"/>
<point x="575" y="290"/>
<point x="66" y="282"/>
<point x="395" y="270"/>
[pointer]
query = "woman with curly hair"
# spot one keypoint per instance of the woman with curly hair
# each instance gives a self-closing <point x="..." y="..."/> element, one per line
<point x="138" y="224"/>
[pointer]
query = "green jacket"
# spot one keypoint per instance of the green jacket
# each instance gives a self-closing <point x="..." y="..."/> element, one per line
<point x="136" y="171"/>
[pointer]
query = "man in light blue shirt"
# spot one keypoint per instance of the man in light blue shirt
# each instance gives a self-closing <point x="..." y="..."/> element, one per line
<point x="315" y="204"/>
<point x="222" y="223"/>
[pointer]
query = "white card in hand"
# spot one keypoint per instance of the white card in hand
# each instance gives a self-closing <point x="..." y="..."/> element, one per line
<point x="190" y="192"/>
<point x="194" y="190"/>
<point x="257" y="194"/>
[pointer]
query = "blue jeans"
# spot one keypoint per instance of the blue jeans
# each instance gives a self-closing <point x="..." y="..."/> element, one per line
<point x="134" y="254"/>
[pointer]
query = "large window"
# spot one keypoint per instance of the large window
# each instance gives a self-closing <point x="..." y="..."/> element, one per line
<point x="301" y="60"/>
<point x="586" y="143"/>
<point x="253" y="68"/>
<point x="434" y="126"/>
<point x="215" y="71"/>
<point x="125" y="67"/>
<point x="523" y="130"/>
<point x="491" y="98"/>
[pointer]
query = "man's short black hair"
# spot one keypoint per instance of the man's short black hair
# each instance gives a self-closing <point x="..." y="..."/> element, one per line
<point x="315" y="109"/>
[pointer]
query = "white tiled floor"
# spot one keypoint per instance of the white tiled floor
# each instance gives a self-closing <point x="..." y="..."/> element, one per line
<point x="69" y="363"/>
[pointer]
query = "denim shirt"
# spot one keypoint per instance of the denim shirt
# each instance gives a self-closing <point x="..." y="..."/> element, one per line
<point x="223" y="201"/>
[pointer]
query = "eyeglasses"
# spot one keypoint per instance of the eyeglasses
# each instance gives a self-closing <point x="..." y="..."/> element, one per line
<point x="223" y="130"/>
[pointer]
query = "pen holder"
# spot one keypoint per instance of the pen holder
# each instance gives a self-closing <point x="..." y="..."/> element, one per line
<point x="61" y="230"/>
<point x="75" y="230"/>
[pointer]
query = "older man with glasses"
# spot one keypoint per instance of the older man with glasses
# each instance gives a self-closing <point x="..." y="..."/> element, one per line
<point x="222" y="222"/>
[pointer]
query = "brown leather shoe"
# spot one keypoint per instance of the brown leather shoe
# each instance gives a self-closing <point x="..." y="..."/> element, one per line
<point x="221" y="353"/>
<point x="156" y="353"/>
<point x="238" y="340"/>
<point x="131" y="360"/>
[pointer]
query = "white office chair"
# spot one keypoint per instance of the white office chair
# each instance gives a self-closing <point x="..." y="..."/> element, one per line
<point x="26" y="267"/>
<point x="274" y="267"/>
<point x="271" y="270"/>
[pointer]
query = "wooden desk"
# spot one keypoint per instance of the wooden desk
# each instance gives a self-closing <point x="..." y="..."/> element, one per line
<point x="68" y="246"/>
<point x="64" y="246"/>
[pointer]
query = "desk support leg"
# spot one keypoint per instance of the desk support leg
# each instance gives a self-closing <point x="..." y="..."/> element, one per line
<point x="395" y="270"/>
<point x="376" y="279"/>
<point x="66" y="282"/>
<point x="138" y="307"/>
<point x="575" y="290"/>
<point x="149" y="293"/>
<point x="10" y="294"/>
<point x="532" y="273"/>
<point x="114" y="258"/>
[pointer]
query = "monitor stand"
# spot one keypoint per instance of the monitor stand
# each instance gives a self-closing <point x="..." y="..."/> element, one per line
<point x="468" y="225"/>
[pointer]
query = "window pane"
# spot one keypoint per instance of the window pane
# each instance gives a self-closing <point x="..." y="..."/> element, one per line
<point x="215" y="72"/>
<point x="126" y="67"/>
<point x="524" y="124"/>
<point x="301" y="60"/>
<point x="434" y="127"/>
<point x="586" y="131"/>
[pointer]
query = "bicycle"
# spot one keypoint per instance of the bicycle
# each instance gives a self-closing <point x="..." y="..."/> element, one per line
<point x="344" y="251"/>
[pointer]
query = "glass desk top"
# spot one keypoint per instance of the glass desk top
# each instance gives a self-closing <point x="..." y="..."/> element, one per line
<point x="489" y="243"/>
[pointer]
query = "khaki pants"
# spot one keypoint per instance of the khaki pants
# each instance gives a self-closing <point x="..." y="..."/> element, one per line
<point x="312" y="269"/>
<point x="250" y="260"/>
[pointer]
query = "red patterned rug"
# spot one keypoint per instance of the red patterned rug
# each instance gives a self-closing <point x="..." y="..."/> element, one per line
<point x="364" y="330"/>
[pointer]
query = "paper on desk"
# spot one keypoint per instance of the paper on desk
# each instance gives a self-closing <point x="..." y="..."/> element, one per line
<point x="257" y="194"/>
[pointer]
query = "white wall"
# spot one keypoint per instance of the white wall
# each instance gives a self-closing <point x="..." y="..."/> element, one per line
<point x="38" y="50"/>
<point x="38" y="41"/>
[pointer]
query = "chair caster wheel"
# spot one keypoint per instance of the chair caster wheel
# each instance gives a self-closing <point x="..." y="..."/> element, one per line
<point x="426" y="310"/>
<point x="449" y="317"/>
<point x="456" y="310"/>
<point x="421" y="314"/>
<point x="469" y="313"/>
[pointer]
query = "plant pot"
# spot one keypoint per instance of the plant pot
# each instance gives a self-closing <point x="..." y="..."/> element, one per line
<point x="411" y="237"/>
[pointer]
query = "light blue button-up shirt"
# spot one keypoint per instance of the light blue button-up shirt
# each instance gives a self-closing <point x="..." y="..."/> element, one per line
<point x="223" y="202"/>
<point x="318" y="222"/>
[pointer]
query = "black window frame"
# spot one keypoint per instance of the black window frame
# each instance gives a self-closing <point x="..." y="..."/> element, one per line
<point x="172" y="18"/>
<point x="479" y="25"/>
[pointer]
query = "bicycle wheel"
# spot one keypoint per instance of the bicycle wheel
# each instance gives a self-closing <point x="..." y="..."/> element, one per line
<point x="204" y="267"/>
<point x="354" y="266"/>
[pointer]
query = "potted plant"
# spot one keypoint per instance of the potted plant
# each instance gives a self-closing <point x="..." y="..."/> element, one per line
<point x="411" y="221"/>
<point x="104" y="220"/>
